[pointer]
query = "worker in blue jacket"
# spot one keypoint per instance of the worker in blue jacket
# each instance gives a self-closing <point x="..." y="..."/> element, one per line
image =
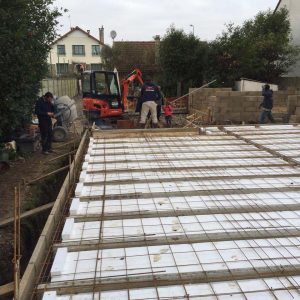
<point x="266" y="105"/>
<point x="44" y="109"/>
<point x="149" y="95"/>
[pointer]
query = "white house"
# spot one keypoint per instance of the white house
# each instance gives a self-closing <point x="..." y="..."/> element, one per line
<point x="293" y="6"/>
<point x="74" y="48"/>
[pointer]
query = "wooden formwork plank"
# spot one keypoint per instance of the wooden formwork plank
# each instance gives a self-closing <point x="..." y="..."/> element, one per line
<point x="180" y="159"/>
<point x="166" y="169"/>
<point x="187" y="212"/>
<point x="161" y="279"/>
<point x="191" y="193"/>
<point x="275" y="153"/>
<point x="152" y="240"/>
<point x="132" y="133"/>
<point x="188" y="178"/>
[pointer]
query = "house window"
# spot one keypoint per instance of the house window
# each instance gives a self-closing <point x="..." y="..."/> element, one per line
<point x="95" y="50"/>
<point x="61" y="50"/>
<point x="78" y="49"/>
<point x="96" y="67"/>
<point x="62" y="69"/>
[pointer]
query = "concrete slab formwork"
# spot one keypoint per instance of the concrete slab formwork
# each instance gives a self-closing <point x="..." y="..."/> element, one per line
<point x="213" y="214"/>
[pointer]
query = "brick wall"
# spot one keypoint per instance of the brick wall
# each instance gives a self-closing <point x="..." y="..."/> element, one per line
<point x="226" y="105"/>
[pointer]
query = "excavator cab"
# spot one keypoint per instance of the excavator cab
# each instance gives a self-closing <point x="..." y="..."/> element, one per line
<point x="101" y="95"/>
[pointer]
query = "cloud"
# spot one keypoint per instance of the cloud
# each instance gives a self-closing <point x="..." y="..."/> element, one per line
<point x="142" y="19"/>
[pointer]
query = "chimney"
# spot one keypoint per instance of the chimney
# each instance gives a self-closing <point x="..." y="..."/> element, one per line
<point x="101" y="35"/>
<point x="88" y="31"/>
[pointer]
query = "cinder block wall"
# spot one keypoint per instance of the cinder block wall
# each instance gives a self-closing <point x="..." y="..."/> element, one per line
<point x="294" y="108"/>
<point x="227" y="105"/>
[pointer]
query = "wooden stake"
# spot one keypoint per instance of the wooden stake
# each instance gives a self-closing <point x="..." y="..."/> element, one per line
<point x="49" y="174"/>
<point x="60" y="156"/>
<point x="28" y="214"/>
<point x="17" y="249"/>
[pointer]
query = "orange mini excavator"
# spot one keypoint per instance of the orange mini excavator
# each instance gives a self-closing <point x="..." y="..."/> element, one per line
<point x="135" y="77"/>
<point x="102" y="97"/>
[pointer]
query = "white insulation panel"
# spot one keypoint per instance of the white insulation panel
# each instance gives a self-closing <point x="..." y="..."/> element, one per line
<point x="237" y="182"/>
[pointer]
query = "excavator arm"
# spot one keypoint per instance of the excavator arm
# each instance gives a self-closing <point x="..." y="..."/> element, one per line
<point x="135" y="75"/>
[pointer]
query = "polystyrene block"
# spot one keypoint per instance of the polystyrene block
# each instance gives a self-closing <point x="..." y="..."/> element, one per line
<point x="67" y="229"/>
<point x="78" y="189"/>
<point x="59" y="261"/>
<point x="85" y="165"/>
<point x="51" y="295"/>
<point x="74" y="206"/>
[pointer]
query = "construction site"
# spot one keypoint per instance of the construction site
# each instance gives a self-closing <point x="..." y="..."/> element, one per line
<point x="113" y="188"/>
<point x="208" y="209"/>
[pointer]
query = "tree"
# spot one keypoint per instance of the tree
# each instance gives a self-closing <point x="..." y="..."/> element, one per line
<point x="27" y="28"/>
<point x="260" y="49"/>
<point x="183" y="60"/>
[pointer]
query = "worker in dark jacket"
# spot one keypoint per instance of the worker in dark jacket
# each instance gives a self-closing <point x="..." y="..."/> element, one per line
<point x="266" y="105"/>
<point x="44" y="109"/>
<point x="149" y="95"/>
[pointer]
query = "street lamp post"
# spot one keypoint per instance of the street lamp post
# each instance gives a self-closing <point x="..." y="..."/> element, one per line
<point x="193" y="29"/>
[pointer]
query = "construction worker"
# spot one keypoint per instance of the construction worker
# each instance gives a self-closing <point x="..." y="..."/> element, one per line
<point x="44" y="109"/>
<point x="266" y="105"/>
<point x="149" y="94"/>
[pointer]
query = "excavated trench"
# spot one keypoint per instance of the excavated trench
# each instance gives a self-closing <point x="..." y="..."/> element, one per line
<point x="41" y="193"/>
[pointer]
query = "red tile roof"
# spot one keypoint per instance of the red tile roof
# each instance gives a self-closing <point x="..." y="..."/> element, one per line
<point x="76" y="29"/>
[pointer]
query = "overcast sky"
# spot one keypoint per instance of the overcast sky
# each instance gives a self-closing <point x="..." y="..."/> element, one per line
<point x="140" y="20"/>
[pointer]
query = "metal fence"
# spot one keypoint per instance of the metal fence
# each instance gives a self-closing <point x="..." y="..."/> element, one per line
<point x="59" y="87"/>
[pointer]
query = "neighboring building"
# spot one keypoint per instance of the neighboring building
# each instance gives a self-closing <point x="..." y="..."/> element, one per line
<point x="293" y="6"/>
<point x="73" y="48"/>
<point x="137" y="54"/>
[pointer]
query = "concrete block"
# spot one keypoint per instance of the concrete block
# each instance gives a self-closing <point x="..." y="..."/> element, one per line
<point x="291" y="104"/>
<point x="294" y="119"/>
<point x="235" y="109"/>
<point x="252" y="98"/>
<point x="252" y="94"/>
<point x="234" y="117"/>
<point x="237" y="93"/>
<point x="222" y="93"/>
<point x="292" y="98"/>
<point x="297" y="111"/>
<point x="252" y="109"/>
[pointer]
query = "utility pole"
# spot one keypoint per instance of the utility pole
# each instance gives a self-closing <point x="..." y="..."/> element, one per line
<point x="193" y="29"/>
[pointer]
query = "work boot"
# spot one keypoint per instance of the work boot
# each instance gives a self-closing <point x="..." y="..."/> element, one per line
<point x="141" y="126"/>
<point x="154" y="125"/>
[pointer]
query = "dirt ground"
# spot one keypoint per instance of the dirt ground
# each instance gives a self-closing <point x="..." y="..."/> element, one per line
<point x="25" y="168"/>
